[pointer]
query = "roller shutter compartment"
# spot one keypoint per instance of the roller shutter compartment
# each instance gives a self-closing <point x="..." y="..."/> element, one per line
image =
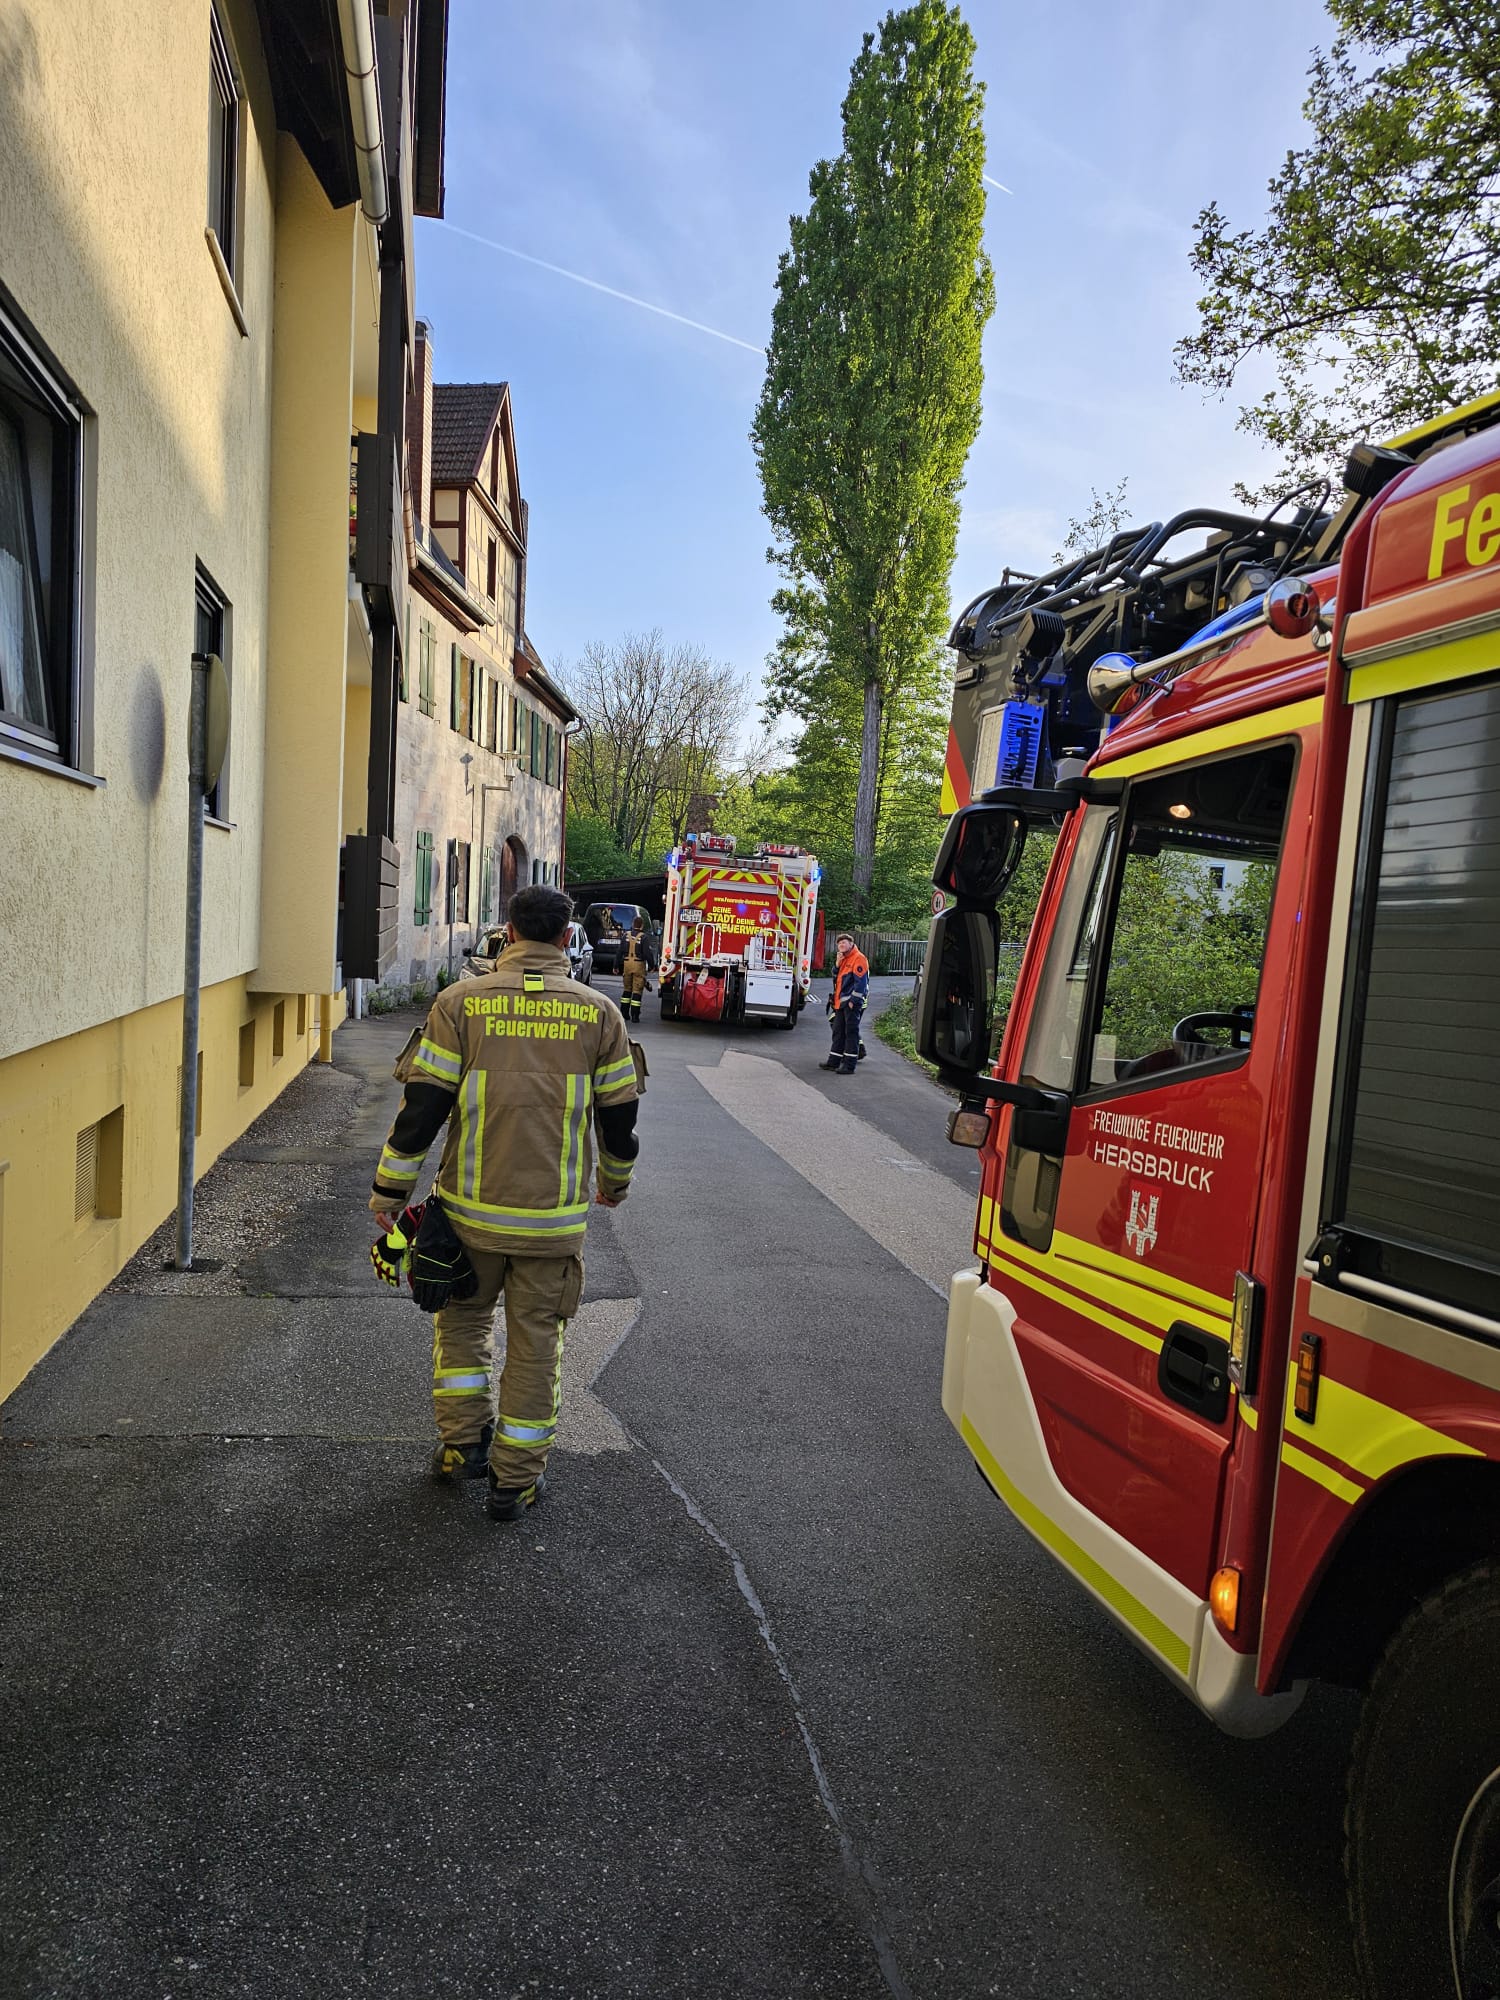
<point x="1417" y="1191"/>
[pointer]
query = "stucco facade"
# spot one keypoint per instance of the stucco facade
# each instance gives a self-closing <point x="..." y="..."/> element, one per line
<point x="206" y="384"/>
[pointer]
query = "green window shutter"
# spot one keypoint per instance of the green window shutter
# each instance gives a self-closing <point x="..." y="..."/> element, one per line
<point x="422" y="909"/>
<point x="427" y="645"/>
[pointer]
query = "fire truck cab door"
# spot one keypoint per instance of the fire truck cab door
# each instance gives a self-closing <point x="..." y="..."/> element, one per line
<point x="1158" y="1009"/>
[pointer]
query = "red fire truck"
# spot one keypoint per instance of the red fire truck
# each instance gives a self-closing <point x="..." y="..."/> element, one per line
<point x="1232" y="1349"/>
<point x="739" y="937"/>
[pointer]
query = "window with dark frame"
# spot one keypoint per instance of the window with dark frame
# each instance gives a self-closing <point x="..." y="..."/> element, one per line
<point x="41" y="435"/>
<point x="1181" y="962"/>
<point x="210" y="606"/>
<point x="458" y="882"/>
<point x="223" y="140"/>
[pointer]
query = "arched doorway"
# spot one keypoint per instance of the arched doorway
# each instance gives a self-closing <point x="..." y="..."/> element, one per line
<point x="512" y="873"/>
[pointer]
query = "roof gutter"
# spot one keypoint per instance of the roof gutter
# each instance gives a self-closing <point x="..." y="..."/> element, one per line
<point x="357" y="34"/>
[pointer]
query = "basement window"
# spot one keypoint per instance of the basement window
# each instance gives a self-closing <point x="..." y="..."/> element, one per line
<point x="98" y="1168"/>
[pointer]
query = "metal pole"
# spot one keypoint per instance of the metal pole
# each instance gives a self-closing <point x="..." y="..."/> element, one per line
<point x="192" y="961"/>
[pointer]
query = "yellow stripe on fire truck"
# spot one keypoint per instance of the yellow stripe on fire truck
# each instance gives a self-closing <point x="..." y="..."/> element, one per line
<point x="1368" y="1437"/>
<point x="1192" y="749"/>
<point x="1096" y="1277"/>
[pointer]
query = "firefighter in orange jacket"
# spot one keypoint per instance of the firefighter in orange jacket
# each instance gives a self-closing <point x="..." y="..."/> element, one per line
<point x="846" y="1005"/>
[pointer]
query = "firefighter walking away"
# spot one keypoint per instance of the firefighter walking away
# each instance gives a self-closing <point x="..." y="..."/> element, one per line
<point x="530" y="1073"/>
<point x="635" y="964"/>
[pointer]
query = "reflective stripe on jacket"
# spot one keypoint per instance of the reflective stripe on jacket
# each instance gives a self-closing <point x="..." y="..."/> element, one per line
<point x="852" y="980"/>
<point x="529" y="1056"/>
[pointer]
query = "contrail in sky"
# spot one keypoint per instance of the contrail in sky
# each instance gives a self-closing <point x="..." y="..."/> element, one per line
<point x="594" y="286"/>
<point x="990" y="181"/>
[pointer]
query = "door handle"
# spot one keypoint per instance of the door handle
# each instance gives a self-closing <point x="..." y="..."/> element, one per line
<point x="1193" y="1370"/>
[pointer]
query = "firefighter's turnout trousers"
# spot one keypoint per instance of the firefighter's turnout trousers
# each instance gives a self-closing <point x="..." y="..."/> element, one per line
<point x="632" y="981"/>
<point x="541" y="1295"/>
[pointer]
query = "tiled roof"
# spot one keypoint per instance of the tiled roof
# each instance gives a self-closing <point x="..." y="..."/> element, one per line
<point x="463" y="415"/>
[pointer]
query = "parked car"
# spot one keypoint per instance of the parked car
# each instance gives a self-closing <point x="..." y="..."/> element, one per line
<point x="609" y="924"/>
<point x="580" y="954"/>
<point x="479" y="960"/>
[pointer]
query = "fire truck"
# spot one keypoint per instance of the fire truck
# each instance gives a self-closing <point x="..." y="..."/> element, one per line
<point x="739" y="937"/>
<point x="1232" y="1349"/>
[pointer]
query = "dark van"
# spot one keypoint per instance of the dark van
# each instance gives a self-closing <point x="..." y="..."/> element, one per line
<point x="607" y="925"/>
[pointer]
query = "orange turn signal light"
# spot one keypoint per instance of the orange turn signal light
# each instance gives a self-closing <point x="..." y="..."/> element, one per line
<point x="1224" y="1598"/>
<point x="968" y="1126"/>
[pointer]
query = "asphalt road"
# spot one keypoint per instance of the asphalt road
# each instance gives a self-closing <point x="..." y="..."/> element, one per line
<point x="1035" y="1811"/>
<point x="771" y="1697"/>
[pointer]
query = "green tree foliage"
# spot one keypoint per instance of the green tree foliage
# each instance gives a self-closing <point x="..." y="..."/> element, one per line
<point x="870" y="405"/>
<point x="1182" y="947"/>
<point x="593" y="852"/>
<point x="1374" y="286"/>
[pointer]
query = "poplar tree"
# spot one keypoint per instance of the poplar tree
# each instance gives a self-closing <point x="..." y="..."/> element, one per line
<point x="870" y="404"/>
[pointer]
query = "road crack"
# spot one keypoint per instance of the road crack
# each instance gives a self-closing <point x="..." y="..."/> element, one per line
<point x="862" y="1882"/>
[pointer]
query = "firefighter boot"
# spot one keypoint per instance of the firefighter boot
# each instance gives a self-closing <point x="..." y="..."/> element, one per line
<point x="509" y="1503"/>
<point x="454" y="1462"/>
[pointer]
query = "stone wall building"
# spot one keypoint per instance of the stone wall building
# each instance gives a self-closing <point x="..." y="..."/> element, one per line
<point x="482" y="745"/>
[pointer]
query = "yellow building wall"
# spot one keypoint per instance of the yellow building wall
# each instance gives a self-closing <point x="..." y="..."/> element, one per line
<point x="51" y="1266"/>
<point x="204" y="445"/>
<point x="103" y="178"/>
<point x="319" y="277"/>
<point x="357" y="756"/>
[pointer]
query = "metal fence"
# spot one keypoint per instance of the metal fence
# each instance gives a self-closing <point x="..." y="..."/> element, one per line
<point x="892" y="954"/>
<point x="904" y="956"/>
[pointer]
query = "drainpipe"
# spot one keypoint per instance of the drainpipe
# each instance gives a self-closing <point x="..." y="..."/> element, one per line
<point x="570" y="729"/>
<point x="192" y="962"/>
<point x="357" y="34"/>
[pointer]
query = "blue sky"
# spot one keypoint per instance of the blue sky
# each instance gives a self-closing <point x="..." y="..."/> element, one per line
<point x="659" y="146"/>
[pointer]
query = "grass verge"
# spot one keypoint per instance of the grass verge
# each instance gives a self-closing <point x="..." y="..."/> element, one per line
<point x="893" y="1025"/>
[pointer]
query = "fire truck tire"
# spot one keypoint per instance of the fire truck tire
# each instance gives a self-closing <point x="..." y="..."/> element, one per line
<point x="1422" y="1827"/>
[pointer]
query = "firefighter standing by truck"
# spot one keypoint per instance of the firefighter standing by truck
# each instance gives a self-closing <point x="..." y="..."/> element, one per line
<point x="846" y="1006"/>
<point x="525" y="1068"/>
<point x="635" y="963"/>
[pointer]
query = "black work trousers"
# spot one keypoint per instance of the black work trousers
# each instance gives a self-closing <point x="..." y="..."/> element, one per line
<point x="846" y="1020"/>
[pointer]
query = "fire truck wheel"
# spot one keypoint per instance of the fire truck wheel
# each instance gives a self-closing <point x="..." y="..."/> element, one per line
<point x="1422" y="1852"/>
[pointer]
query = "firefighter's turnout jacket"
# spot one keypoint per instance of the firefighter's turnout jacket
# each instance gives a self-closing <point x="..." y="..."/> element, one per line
<point x="635" y="963"/>
<point x="525" y="1066"/>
